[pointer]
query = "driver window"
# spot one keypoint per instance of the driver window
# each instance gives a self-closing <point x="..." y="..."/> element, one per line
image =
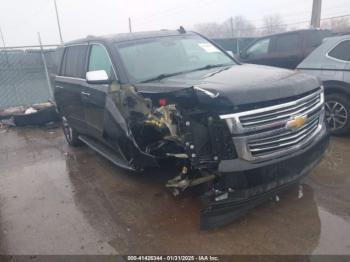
<point x="99" y="60"/>
<point x="261" y="47"/>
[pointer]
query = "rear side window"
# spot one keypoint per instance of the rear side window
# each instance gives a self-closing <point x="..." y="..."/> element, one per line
<point x="314" y="38"/>
<point x="99" y="59"/>
<point x="341" y="51"/>
<point x="260" y="47"/>
<point x="287" y="43"/>
<point x="74" y="61"/>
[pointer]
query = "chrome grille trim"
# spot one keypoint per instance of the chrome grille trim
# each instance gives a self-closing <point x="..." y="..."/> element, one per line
<point x="301" y="110"/>
<point x="280" y="144"/>
<point x="285" y="136"/>
<point x="262" y="134"/>
<point x="237" y="125"/>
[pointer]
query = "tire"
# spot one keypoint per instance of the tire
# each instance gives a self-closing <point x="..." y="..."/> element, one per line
<point x="70" y="134"/>
<point x="338" y="113"/>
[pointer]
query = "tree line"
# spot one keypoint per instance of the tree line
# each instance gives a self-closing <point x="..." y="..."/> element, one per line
<point x="239" y="26"/>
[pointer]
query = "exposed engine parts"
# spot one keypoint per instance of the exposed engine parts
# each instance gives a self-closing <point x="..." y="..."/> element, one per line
<point x="183" y="181"/>
<point x="193" y="136"/>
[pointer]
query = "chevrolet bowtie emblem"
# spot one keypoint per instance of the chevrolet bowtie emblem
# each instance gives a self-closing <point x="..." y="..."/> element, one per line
<point x="296" y="122"/>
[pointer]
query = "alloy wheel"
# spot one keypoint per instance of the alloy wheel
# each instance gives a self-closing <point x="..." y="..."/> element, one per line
<point x="336" y="114"/>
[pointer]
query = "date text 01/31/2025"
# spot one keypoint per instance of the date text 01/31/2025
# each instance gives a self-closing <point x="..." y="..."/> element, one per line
<point x="173" y="258"/>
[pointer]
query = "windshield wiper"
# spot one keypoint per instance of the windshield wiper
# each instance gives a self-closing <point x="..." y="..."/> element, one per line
<point x="162" y="76"/>
<point x="210" y="66"/>
<point x="165" y="75"/>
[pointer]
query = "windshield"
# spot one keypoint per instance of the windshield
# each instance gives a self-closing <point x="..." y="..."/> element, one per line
<point x="165" y="56"/>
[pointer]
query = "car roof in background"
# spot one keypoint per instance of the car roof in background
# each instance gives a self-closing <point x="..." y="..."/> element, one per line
<point x="128" y="36"/>
<point x="337" y="37"/>
<point x="319" y="56"/>
<point x="289" y="32"/>
<point x="297" y="31"/>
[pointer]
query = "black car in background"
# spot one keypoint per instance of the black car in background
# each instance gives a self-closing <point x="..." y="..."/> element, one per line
<point x="242" y="132"/>
<point x="284" y="50"/>
<point x="233" y="44"/>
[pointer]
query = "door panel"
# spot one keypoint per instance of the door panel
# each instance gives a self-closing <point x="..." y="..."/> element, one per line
<point x="347" y="73"/>
<point x="68" y="97"/>
<point x="94" y="95"/>
<point x="94" y="100"/>
<point x="69" y="85"/>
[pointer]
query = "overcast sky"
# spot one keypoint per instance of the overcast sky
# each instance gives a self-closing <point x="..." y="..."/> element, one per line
<point x="20" y="20"/>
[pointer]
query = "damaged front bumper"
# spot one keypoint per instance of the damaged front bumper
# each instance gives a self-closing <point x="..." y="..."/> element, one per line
<point x="224" y="207"/>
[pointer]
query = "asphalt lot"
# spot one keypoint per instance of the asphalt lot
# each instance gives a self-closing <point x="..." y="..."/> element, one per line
<point x="59" y="200"/>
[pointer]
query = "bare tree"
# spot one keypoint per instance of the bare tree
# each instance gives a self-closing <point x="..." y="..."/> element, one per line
<point x="237" y="27"/>
<point x="338" y="25"/>
<point x="273" y="24"/>
<point x="210" y="29"/>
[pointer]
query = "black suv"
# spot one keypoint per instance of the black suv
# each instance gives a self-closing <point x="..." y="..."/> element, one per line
<point x="241" y="132"/>
<point x="285" y="50"/>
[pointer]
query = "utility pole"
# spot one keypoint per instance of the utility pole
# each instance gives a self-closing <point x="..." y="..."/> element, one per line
<point x="232" y="33"/>
<point x="231" y="21"/>
<point x="45" y="66"/>
<point x="238" y="34"/>
<point x="316" y="14"/>
<point x="58" y="22"/>
<point x="130" y="28"/>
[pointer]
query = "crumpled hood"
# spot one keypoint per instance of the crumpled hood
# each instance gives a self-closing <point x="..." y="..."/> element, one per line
<point x="239" y="84"/>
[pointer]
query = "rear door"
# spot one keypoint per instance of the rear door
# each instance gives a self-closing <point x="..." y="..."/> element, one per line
<point x="95" y="94"/>
<point x="338" y="62"/>
<point x="287" y="50"/>
<point x="69" y="85"/>
<point x="347" y="72"/>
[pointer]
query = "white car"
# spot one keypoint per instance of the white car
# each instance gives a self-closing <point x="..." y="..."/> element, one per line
<point x="331" y="63"/>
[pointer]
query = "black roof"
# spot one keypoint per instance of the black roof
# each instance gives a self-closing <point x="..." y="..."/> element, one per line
<point x="296" y="31"/>
<point x="126" y="36"/>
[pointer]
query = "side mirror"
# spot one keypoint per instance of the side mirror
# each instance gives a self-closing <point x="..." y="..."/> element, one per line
<point x="98" y="77"/>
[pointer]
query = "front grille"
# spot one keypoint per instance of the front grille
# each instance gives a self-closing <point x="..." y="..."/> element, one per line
<point x="264" y="118"/>
<point x="266" y="133"/>
<point x="282" y="141"/>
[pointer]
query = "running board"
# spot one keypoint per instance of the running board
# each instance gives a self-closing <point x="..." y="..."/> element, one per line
<point x="106" y="152"/>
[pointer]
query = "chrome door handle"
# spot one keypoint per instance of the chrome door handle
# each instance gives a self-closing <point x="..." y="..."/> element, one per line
<point x="60" y="87"/>
<point x="85" y="93"/>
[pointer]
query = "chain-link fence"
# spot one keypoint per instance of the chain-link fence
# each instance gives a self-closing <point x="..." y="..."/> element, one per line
<point x="23" y="80"/>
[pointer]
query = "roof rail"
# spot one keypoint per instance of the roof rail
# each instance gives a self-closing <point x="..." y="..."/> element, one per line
<point x="181" y="30"/>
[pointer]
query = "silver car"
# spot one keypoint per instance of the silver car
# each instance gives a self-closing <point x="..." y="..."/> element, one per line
<point x="331" y="63"/>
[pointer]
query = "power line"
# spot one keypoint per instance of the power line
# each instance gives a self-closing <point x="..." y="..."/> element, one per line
<point x="171" y="11"/>
<point x="163" y="12"/>
<point x="300" y="22"/>
<point x="31" y="14"/>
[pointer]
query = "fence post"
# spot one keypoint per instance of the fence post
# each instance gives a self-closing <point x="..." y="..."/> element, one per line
<point x="45" y="67"/>
<point x="4" y="47"/>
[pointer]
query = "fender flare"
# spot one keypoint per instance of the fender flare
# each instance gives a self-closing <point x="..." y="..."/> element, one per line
<point x="334" y="86"/>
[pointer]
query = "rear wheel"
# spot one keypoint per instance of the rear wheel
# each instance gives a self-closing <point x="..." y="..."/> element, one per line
<point x="71" y="135"/>
<point x="337" y="113"/>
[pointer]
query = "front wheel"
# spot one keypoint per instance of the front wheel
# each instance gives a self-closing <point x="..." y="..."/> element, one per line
<point x="71" y="135"/>
<point x="337" y="113"/>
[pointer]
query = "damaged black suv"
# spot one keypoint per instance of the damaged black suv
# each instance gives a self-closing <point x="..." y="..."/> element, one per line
<point x="243" y="132"/>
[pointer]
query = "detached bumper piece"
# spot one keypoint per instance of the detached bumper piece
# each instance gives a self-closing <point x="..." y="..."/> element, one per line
<point x="222" y="208"/>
